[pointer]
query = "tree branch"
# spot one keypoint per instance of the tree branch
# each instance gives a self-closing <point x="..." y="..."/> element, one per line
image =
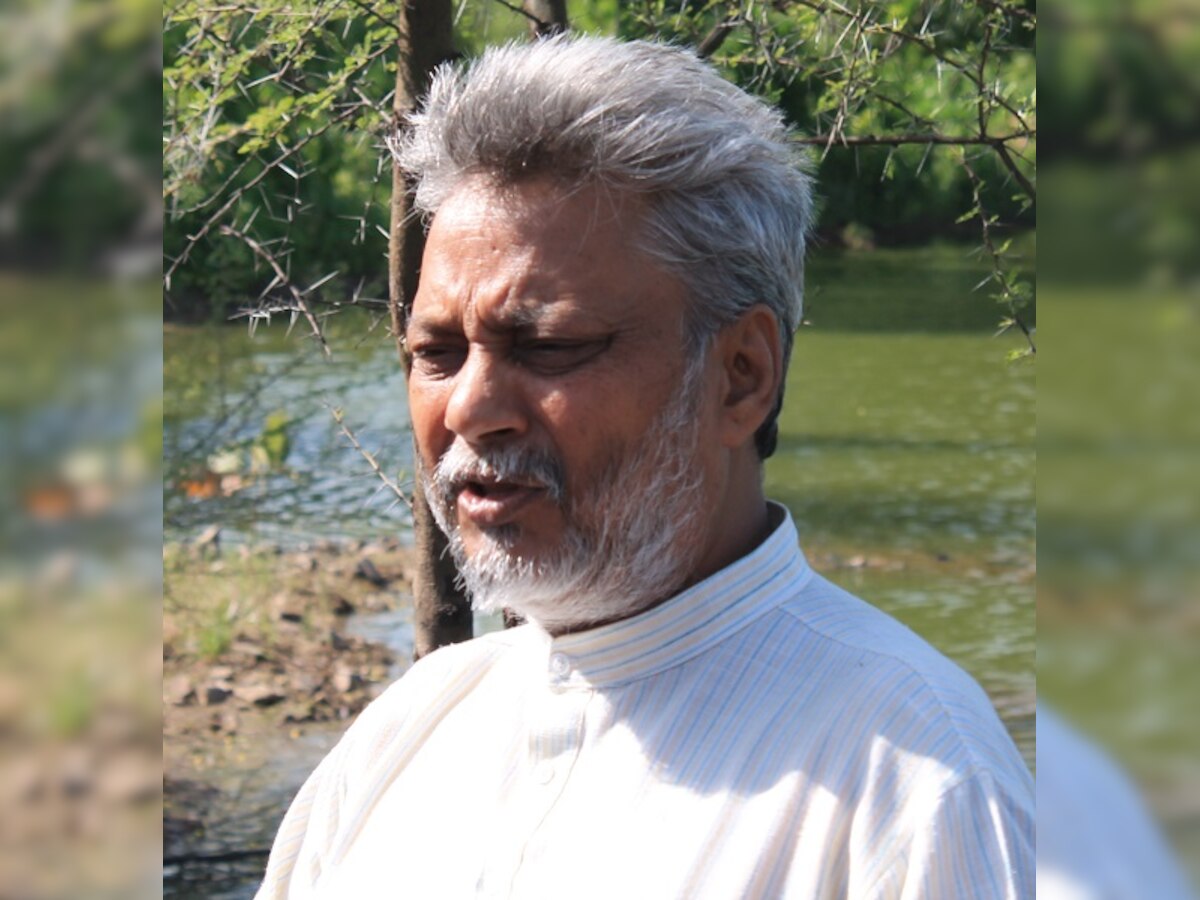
<point x="524" y="12"/>
<point x="370" y="458"/>
<point x="872" y="27"/>
<point x="715" y="38"/>
<point x="268" y="168"/>
<point x="898" y="140"/>
<point x="1010" y="164"/>
<point x="998" y="272"/>
<point x="298" y="297"/>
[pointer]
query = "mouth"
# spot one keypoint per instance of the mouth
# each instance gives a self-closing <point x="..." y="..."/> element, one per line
<point x="488" y="502"/>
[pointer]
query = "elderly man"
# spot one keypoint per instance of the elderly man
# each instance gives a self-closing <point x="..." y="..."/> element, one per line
<point x="612" y="277"/>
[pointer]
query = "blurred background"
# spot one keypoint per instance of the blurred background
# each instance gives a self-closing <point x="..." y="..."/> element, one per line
<point x="1118" y="442"/>
<point x="81" y="430"/>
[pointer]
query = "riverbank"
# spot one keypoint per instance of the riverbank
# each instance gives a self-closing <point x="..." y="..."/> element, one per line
<point x="260" y="656"/>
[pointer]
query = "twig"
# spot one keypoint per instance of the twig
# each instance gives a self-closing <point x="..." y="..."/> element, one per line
<point x="366" y="454"/>
<point x="872" y="27"/>
<point x="268" y="168"/>
<point x="1010" y="9"/>
<point x="896" y="140"/>
<point x="524" y="12"/>
<point x="985" y="224"/>
<point x="1010" y="164"/>
<point x="298" y="297"/>
<point x="715" y="38"/>
<point x="374" y="13"/>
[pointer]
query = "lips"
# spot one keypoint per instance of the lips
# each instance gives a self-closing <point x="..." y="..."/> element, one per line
<point x="488" y="503"/>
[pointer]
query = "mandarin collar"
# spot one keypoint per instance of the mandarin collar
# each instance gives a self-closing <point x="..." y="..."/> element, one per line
<point x="685" y="625"/>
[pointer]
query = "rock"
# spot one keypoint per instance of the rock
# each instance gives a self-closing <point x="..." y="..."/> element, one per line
<point x="221" y="673"/>
<point x="258" y="694"/>
<point x="76" y="768"/>
<point x="306" y="683"/>
<point x="179" y="691"/>
<point x="345" y="679"/>
<point x="248" y="649"/>
<point x="303" y="712"/>
<point x="366" y="571"/>
<point x="226" y="721"/>
<point x="216" y="692"/>
<point x="287" y="608"/>
<point x="305" y="562"/>
<point x="339" y="605"/>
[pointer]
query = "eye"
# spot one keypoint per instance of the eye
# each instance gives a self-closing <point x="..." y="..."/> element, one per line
<point x="554" y="356"/>
<point x="437" y="359"/>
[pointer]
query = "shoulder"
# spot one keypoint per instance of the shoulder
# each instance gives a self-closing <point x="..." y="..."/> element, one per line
<point x="904" y="697"/>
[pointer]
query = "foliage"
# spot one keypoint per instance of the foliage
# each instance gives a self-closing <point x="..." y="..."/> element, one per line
<point x="920" y="113"/>
<point x="273" y="115"/>
<point x="78" y="148"/>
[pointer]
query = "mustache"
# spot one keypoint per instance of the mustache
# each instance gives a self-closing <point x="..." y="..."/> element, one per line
<point x="531" y="466"/>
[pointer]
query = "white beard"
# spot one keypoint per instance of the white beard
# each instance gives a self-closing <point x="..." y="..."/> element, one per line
<point x="630" y="539"/>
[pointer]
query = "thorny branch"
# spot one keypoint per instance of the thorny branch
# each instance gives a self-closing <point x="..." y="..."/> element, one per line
<point x="273" y="165"/>
<point x="523" y="12"/>
<point x="1008" y="293"/>
<point x="900" y="140"/>
<point x="281" y="276"/>
<point x="865" y="25"/>
<point x="237" y="195"/>
<point x="370" y="458"/>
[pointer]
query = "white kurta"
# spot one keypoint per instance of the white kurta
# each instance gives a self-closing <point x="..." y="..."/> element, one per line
<point x="763" y="734"/>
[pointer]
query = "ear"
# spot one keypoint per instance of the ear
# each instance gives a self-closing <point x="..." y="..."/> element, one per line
<point x="751" y="357"/>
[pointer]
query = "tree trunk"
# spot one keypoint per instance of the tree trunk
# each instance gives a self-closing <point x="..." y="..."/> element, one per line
<point x="441" y="614"/>
<point x="547" y="17"/>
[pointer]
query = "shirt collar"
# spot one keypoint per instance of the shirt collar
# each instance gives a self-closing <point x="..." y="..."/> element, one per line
<point x="687" y="624"/>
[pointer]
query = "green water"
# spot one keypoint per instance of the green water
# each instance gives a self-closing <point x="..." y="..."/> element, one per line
<point x="906" y="452"/>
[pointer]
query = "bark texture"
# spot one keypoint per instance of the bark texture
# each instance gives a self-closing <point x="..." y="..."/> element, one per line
<point x="441" y="614"/>
<point x="546" y="17"/>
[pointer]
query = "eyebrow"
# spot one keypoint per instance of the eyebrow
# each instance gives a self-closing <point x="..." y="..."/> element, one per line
<point x="508" y="318"/>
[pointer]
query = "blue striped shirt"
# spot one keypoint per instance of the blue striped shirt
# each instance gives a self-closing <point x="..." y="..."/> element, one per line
<point x="762" y="734"/>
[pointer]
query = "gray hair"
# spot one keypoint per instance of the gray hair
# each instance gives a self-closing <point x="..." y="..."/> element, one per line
<point x="729" y="204"/>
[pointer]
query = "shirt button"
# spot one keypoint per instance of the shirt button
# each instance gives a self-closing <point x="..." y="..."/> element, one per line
<point x="543" y="773"/>
<point x="560" y="666"/>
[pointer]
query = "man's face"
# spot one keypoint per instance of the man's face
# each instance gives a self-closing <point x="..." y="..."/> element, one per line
<point x="545" y="393"/>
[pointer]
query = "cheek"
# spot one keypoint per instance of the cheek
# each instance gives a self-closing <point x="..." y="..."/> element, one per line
<point x="427" y="413"/>
<point x="574" y="422"/>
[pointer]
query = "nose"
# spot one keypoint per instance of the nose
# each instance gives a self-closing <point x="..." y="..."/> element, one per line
<point x="485" y="403"/>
